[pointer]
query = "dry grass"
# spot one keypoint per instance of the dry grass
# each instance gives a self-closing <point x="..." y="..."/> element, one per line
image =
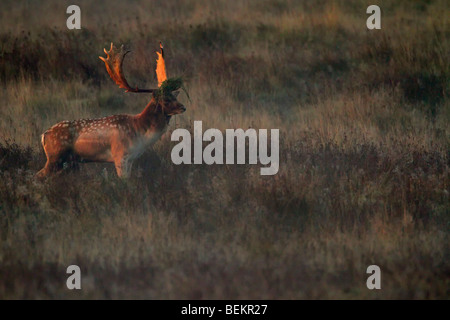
<point x="364" y="152"/>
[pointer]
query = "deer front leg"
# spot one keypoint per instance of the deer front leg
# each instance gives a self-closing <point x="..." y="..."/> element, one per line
<point x="118" y="152"/>
<point x="123" y="167"/>
<point x="119" y="167"/>
<point x="127" y="164"/>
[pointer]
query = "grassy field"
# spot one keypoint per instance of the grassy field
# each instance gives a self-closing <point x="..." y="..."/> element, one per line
<point x="364" y="152"/>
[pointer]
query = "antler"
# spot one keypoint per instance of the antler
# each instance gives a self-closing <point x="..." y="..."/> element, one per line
<point x="113" y="62"/>
<point x="161" y="66"/>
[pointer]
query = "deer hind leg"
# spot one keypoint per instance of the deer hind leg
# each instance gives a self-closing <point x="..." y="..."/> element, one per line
<point x="53" y="164"/>
<point x="54" y="154"/>
<point x="71" y="161"/>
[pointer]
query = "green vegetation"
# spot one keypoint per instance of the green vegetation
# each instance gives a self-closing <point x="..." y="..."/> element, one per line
<point x="364" y="151"/>
<point x="170" y="85"/>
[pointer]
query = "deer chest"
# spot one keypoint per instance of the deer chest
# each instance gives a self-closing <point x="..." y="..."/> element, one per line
<point x="142" y="143"/>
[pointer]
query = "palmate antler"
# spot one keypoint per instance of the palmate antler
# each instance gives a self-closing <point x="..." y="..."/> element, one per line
<point x="113" y="62"/>
<point x="161" y="66"/>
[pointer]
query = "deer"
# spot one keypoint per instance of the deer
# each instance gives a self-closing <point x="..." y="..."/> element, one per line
<point x="118" y="139"/>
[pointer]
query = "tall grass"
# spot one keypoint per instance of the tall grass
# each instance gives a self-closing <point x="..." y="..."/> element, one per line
<point x="364" y="152"/>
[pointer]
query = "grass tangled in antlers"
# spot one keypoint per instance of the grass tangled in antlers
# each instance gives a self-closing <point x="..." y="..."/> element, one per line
<point x="170" y="85"/>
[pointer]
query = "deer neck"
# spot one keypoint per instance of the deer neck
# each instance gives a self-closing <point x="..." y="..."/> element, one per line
<point x="152" y="118"/>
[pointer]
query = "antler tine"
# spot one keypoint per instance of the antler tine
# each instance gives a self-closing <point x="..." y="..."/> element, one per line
<point x="113" y="62"/>
<point x="162" y="48"/>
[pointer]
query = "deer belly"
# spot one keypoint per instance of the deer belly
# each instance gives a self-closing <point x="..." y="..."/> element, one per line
<point x="92" y="149"/>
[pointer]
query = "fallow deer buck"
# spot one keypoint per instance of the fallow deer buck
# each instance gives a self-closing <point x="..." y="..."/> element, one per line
<point x="119" y="138"/>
